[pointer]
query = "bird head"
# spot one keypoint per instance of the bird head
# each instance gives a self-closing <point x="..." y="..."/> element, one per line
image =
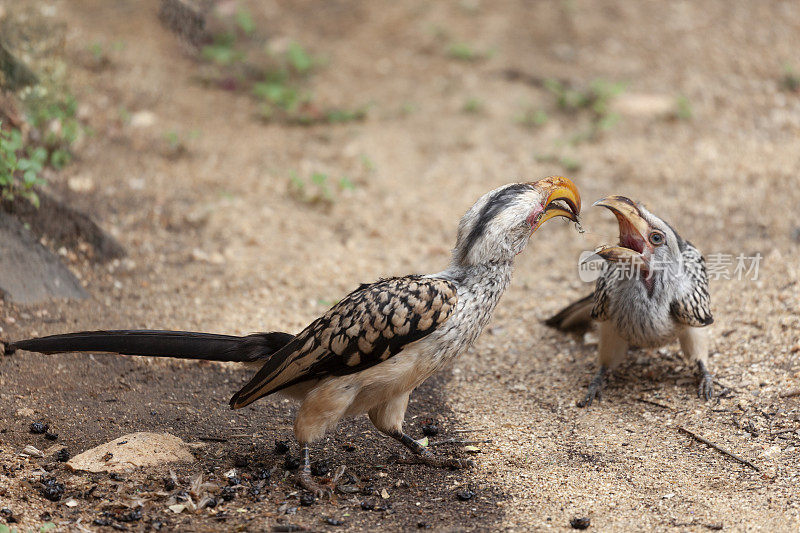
<point x="645" y="241"/>
<point x="502" y="221"/>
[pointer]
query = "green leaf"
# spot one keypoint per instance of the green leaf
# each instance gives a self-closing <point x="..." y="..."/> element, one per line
<point x="47" y="526"/>
<point x="245" y="21"/>
<point x="300" y="60"/>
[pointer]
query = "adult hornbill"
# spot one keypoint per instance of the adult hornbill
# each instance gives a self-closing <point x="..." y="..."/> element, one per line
<point x="369" y="351"/>
<point x="652" y="290"/>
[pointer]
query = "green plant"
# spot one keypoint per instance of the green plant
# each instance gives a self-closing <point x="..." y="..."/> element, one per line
<point x="790" y="81"/>
<point x="683" y="108"/>
<point x="318" y="188"/>
<point x="595" y="99"/>
<point x="466" y="52"/>
<point x="472" y="105"/>
<point x="20" y="167"/>
<point x="223" y="50"/>
<point x="532" y="118"/>
<point x="244" y="20"/>
<point x="55" y="117"/>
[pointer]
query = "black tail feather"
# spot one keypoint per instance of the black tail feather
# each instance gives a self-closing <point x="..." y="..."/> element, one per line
<point x="176" y="344"/>
<point x="576" y="315"/>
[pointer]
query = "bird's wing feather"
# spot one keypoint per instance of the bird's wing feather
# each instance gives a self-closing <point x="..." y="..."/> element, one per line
<point x="693" y="307"/>
<point x="600" y="308"/>
<point x="368" y="326"/>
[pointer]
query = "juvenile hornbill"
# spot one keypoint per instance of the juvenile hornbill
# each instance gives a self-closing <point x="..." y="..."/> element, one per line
<point x="369" y="351"/>
<point x="653" y="289"/>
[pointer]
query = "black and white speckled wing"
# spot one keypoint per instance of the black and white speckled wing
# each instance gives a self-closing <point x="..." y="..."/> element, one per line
<point x="368" y="326"/>
<point x="600" y="309"/>
<point x="693" y="308"/>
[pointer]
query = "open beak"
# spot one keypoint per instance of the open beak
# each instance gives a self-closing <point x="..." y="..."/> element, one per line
<point x="633" y="231"/>
<point x="563" y="200"/>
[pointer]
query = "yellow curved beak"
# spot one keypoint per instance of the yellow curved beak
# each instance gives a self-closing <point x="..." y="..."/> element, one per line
<point x="632" y="226"/>
<point x="563" y="199"/>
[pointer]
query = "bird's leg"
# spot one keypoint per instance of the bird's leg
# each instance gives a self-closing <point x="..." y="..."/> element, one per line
<point x="694" y="343"/>
<point x="706" y="388"/>
<point x="595" y="388"/>
<point x="423" y="456"/>
<point x="305" y="480"/>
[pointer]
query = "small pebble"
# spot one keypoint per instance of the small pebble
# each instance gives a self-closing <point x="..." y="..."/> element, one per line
<point x="51" y="489"/>
<point x="368" y="505"/>
<point x="423" y="525"/>
<point x="580" y="523"/>
<point x="169" y="484"/>
<point x="281" y="447"/>
<point x="228" y="493"/>
<point x="131" y="516"/>
<point x="465" y="495"/>
<point x="8" y="514"/>
<point x="234" y="480"/>
<point x="37" y="428"/>
<point x="307" y="499"/>
<point x="62" y="455"/>
<point x="430" y="427"/>
<point x="51" y="436"/>
<point x="291" y="463"/>
<point x="262" y="473"/>
<point x="240" y="461"/>
<point x="349" y="447"/>
<point x="333" y="522"/>
<point x="320" y="468"/>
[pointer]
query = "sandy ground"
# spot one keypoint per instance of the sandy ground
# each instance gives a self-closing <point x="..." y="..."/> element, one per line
<point x="217" y="243"/>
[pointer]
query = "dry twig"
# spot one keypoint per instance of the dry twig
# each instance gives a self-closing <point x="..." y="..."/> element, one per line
<point x="719" y="448"/>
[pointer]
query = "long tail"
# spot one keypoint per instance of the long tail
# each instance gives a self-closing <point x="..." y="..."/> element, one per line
<point x="177" y="344"/>
<point x="576" y="315"/>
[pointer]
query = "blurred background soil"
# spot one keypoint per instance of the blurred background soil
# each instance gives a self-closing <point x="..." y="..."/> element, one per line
<point x="253" y="189"/>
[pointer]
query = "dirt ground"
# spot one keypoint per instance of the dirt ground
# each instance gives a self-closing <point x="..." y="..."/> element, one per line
<point x="217" y="242"/>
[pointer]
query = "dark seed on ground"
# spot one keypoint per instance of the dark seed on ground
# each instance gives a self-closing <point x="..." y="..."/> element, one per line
<point x="368" y="505"/>
<point x="62" y="455"/>
<point x="51" y="436"/>
<point x="46" y="516"/>
<point x="287" y="528"/>
<point x="320" y="468"/>
<point x="51" y="489"/>
<point x="38" y="428"/>
<point x="423" y="525"/>
<point x="169" y="484"/>
<point x="465" y="495"/>
<point x="211" y="503"/>
<point x="291" y="463"/>
<point x="132" y="516"/>
<point x="333" y="522"/>
<point x="228" y="493"/>
<point x="580" y="523"/>
<point x="8" y="514"/>
<point x="430" y="427"/>
<point x="102" y="522"/>
<point x="262" y="473"/>
<point x="349" y="447"/>
<point x="307" y="499"/>
<point x="234" y="480"/>
<point x="241" y="461"/>
<point x="116" y="477"/>
<point x="281" y="447"/>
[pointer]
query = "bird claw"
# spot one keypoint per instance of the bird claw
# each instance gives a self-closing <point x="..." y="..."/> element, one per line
<point x="593" y="392"/>
<point x="706" y="388"/>
<point x="305" y="480"/>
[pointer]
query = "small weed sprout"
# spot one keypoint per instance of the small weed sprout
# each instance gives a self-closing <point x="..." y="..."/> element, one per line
<point x="318" y="188"/>
<point x="790" y="81"/>
<point x="683" y="108"/>
<point x="473" y="106"/>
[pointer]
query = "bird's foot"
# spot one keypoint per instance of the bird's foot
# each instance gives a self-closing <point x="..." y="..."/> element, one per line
<point x="437" y="462"/>
<point x="307" y="482"/>
<point x="706" y="388"/>
<point x="595" y="389"/>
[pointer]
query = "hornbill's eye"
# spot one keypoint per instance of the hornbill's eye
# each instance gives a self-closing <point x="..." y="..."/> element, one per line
<point x="656" y="238"/>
